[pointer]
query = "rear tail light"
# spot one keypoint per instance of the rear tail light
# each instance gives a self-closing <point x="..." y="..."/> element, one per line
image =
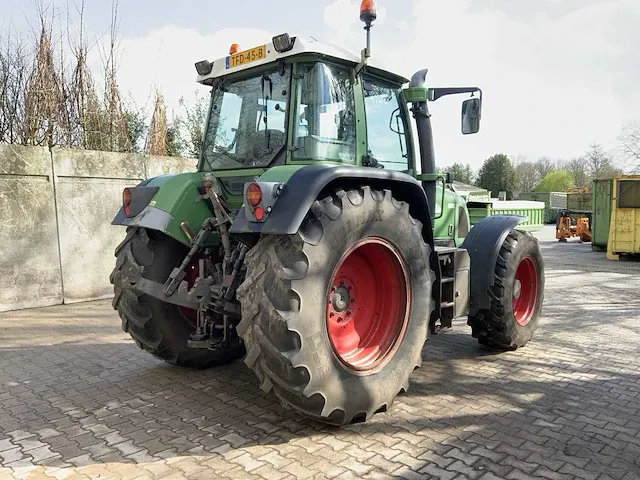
<point x="126" y="201"/>
<point x="254" y="194"/>
<point x="259" y="213"/>
<point x="259" y="198"/>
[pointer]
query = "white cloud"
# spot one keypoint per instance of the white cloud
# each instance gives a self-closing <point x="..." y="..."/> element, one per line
<point x="551" y="86"/>
<point x="165" y="58"/>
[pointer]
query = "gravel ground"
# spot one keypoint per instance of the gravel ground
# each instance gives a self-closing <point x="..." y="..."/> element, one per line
<point x="79" y="400"/>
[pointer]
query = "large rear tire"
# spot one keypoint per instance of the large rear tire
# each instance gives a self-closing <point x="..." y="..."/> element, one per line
<point x="516" y="296"/>
<point x="160" y="328"/>
<point x="335" y="317"/>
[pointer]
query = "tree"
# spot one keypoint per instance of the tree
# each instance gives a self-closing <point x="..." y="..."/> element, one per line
<point x="460" y="172"/>
<point x="600" y="164"/>
<point x="556" y="181"/>
<point x="14" y="77"/>
<point x="136" y="128"/>
<point x="173" y="142"/>
<point x="544" y="166"/>
<point x="192" y="121"/>
<point x="629" y="146"/>
<point x="498" y="174"/>
<point x="578" y="169"/>
<point x="156" y="143"/>
<point x="527" y="175"/>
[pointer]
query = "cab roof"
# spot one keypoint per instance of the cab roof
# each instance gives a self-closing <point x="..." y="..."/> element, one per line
<point x="301" y="45"/>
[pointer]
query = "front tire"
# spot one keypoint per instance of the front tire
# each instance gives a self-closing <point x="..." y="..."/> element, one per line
<point x="516" y="296"/>
<point x="160" y="328"/>
<point x="335" y="317"/>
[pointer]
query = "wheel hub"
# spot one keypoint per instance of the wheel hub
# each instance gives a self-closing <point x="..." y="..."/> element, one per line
<point x="340" y="299"/>
<point x="517" y="289"/>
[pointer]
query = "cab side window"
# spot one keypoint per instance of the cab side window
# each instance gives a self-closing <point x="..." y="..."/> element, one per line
<point x="386" y="137"/>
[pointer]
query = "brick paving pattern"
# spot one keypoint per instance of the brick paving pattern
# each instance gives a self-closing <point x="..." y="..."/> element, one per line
<point x="79" y="400"/>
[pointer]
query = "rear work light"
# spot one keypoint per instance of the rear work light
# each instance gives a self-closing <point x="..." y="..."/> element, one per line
<point x="204" y="67"/>
<point x="282" y="43"/>
<point x="126" y="201"/>
<point x="254" y="194"/>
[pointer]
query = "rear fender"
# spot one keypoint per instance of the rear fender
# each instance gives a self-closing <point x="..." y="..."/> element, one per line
<point x="483" y="242"/>
<point x="164" y="203"/>
<point x="286" y="207"/>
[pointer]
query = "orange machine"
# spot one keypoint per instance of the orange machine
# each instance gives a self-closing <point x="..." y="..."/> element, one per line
<point x="567" y="226"/>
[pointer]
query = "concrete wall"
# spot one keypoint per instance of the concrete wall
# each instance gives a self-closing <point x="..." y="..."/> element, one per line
<point x="56" y="239"/>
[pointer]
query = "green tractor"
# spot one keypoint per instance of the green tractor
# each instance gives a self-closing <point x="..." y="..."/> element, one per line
<point x="316" y="239"/>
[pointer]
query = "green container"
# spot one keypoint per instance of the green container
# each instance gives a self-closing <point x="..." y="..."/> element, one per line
<point x="553" y="203"/>
<point x="601" y="208"/>
<point x="478" y="211"/>
<point x="551" y="214"/>
<point x="580" y="201"/>
<point x="533" y="211"/>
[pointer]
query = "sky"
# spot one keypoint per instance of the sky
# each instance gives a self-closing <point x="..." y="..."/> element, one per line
<point x="556" y="75"/>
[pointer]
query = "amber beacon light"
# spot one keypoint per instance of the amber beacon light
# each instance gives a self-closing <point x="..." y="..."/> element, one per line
<point x="368" y="11"/>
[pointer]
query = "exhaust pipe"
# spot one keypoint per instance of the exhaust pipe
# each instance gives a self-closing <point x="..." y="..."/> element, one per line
<point x="425" y="138"/>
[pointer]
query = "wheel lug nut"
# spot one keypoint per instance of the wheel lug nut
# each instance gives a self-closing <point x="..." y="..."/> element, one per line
<point x="342" y="283"/>
<point x="349" y="287"/>
<point x="349" y="312"/>
<point x="339" y="319"/>
<point x="353" y="299"/>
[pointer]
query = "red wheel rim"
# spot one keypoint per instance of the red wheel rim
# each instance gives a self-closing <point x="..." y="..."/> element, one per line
<point x="525" y="291"/>
<point x="368" y="305"/>
<point x="192" y="271"/>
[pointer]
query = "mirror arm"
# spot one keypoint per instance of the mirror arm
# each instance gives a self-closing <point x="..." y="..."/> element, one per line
<point x="436" y="93"/>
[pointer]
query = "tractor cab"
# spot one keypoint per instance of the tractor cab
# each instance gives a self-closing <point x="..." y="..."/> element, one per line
<point x="295" y="100"/>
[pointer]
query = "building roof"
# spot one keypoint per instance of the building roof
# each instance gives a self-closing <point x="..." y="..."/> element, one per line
<point x="302" y="45"/>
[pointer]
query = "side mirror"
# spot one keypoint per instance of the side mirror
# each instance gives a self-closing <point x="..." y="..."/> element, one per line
<point x="471" y="115"/>
<point x="449" y="178"/>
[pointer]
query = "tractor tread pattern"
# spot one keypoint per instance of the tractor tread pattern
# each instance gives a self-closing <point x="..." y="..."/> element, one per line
<point x="494" y="328"/>
<point x="270" y="306"/>
<point x="146" y="319"/>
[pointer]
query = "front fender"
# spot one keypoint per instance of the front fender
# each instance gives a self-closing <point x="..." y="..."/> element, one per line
<point x="483" y="242"/>
<point x="163" y="203"/>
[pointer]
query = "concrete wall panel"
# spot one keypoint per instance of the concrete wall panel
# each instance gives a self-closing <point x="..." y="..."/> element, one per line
<point x="89" y="194"/>
<point x="29" y="259"/>
<point x="157" y="166"/>
<point x="89" y="163"/>
<point x="50" y="256"/>
<point x="19" y="160"/>
<point x="87" y="239"/>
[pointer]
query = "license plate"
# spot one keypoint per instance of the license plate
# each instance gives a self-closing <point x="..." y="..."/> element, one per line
<point x="248" y="56"/>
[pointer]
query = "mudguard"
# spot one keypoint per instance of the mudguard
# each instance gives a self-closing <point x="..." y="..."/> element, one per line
<point x="483" y="243"/>
<point x="162" y="203"/>
<point x="309" y="183"/>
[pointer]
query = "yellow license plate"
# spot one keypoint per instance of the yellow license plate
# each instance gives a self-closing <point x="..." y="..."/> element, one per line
<point x="248" y="56"/>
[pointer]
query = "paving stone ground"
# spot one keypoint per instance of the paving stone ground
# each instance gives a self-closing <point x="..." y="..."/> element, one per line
<point x="79" y="400"/>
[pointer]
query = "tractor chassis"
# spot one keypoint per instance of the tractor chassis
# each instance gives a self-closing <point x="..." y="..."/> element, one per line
<point x="451" y="295"/>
